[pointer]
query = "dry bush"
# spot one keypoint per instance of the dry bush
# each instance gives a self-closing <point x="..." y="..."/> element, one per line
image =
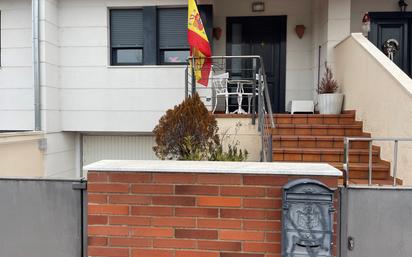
<point x="328" y="85"/>
<point x="186" y="130"/>
<point x="190" y="132"/>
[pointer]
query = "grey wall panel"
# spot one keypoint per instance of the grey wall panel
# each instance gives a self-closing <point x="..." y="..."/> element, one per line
<point x="380" y="221"/>
<point x="40" y="219"/>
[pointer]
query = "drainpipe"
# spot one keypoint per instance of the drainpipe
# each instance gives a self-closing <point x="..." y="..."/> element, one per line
<point x="36" y="64"/>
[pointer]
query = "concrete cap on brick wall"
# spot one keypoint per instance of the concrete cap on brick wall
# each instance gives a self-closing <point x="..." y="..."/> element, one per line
<point x="263" y="168"/>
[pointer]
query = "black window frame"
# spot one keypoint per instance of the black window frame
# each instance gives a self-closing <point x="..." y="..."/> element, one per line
<point x="113" y="50"/>
<point x="152" y="53"/>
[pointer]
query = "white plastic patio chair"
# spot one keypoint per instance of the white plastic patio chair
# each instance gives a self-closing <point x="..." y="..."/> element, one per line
<point x="220" y="88"/>
<point x="250" y="94"/>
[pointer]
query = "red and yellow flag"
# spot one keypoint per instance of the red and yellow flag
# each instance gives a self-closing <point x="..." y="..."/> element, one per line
<point x="199" y="44"/>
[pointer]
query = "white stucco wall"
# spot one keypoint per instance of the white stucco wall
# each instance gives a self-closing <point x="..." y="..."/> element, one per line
<point x="20" y="155"/>
<point x="16" y="87"/>
<point x="381" y="94"/>
<point x="319" y="39"/>
<point x="97" y="97"/>
<point x="241" y="133"/>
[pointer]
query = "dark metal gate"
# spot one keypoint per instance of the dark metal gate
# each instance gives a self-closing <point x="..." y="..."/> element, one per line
<point x="376" y="221"/>
<point x="42" y="218"/>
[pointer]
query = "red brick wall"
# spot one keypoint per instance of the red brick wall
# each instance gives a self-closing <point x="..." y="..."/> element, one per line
<point x="185" y="215"/>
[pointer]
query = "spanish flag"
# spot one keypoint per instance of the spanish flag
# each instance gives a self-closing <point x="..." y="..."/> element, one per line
<point x="199" y="44"/>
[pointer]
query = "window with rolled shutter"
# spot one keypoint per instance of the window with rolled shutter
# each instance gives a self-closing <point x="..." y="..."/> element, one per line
<point x="126" y="36"/>
<point x="172" y="35"/>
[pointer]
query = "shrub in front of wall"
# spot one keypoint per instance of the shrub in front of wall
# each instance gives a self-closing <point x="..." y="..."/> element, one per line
<point x="186" y="132"/>
<point x="190" y="132"/>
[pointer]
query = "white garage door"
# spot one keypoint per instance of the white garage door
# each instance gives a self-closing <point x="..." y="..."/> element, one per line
<point x="98" y="147"/>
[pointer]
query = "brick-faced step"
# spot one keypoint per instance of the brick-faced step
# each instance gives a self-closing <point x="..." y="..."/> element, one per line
<point x="293" y="141"/>
<point x="380" y="170"/>
<point x="319" y="130"/>
<point x="323" y="155"/>
<point x="327" y="119"/>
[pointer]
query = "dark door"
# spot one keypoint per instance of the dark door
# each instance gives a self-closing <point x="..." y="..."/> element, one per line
<point x="393" y="28"/>
<point x="264" y="36"/>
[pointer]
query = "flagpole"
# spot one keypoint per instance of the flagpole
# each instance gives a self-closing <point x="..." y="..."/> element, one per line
<point x="193" y="76"/>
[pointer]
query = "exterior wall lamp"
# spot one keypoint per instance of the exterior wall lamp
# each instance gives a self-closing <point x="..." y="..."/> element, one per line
<point x="258" y="7"/>
<point x="403" y="5"/>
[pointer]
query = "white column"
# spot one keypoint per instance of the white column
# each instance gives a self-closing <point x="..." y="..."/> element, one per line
<point x="338" y="25"/>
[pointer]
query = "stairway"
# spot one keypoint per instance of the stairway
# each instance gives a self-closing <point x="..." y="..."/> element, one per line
<point x="319" y="138"/>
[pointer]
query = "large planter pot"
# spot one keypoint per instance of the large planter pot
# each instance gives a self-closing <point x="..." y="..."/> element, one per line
<point x="330" y="103"/>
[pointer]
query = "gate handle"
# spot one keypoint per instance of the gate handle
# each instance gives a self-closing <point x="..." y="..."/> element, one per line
<point x="351" y="243"/>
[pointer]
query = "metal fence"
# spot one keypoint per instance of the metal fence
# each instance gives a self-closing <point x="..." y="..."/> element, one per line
<point x="396" y="141"/>
<point x="236" y="85"/>
<point x="42" y="218"/>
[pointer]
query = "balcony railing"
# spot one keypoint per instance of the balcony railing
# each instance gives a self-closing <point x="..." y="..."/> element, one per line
<point x="237" y="85"/>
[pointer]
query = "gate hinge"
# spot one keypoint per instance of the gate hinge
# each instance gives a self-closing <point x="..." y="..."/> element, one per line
<point x="79" y="185"/>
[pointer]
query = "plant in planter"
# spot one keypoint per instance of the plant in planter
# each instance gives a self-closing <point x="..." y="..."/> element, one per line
<point x="329" y="101"/>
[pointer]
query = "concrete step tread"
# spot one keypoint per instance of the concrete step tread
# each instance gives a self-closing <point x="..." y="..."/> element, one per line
<point x="357" y="125"/>
<point x="316" y="115"/>
<point x="375" y="150"/>
<point x="313" y="137"/>
<point x="379" y="166"/>
<point x="375" y="182"/>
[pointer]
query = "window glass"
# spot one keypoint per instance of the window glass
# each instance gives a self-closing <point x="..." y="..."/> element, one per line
<point x="128" y="56"/>
<point x="175" y="56"/>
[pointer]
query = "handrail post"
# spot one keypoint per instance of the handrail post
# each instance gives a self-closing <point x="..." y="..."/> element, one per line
<point x="346" y="161"/>
<point x="260" y="103"/>
<point x="270" y="153"/>
<point x="253" y="101"/>
<point x="187" y="82"/>
<point x="370" y="164"/>
<point x="395" y="162"/>
<point x="266" y="92"/>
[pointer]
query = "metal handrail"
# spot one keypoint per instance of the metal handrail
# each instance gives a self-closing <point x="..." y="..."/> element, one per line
<point x="396" y="141"/>
<point x="263" y="100"/>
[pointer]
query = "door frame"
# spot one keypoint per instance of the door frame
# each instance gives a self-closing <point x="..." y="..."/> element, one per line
<point x="408" y="33"/>
<point x="279" y="97"/>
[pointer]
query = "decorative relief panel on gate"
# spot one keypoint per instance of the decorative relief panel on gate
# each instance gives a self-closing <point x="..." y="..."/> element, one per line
<point x="307" y="219"/>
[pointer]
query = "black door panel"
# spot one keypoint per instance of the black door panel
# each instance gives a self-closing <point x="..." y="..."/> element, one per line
<point x="264" y="36"/>
<point x="393" y="26"/>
